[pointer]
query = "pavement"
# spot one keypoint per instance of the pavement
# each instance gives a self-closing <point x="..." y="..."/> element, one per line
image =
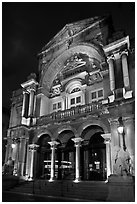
<point x="8" y="196"/>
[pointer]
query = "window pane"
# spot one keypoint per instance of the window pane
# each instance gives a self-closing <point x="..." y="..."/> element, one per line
<point x="100" y="93"/>
<point x="93" y="95"/>
<point x="59" y="105"/>
<point x="72" y="101"/>
<point x="54" y="106"/>
<point x="78" y="99"/>
<point x="75" y="90"/>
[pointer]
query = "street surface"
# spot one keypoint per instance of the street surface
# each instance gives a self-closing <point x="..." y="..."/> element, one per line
<point x="23" y="197"/>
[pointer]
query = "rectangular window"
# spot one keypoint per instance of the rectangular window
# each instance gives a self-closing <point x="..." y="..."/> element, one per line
<point x="100" y="93"/>
<point x="72" y="101"/>
<point x="97" y="95"/>
<point x="59" y="105"/>
<point x="93" y="95"/>
<point x="78" y="99"/>
<point x="54" y="106"/>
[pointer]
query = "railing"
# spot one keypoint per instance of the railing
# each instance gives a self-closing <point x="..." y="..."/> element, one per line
<point x="70" y="113"/>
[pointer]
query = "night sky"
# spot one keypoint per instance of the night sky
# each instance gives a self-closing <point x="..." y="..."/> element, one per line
<point x="27" y="27"/>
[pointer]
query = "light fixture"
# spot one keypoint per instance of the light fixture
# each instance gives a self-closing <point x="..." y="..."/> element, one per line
<point x="120" y="126"/>
<point x="120" y="129"/>
<point x="13" y="145"/>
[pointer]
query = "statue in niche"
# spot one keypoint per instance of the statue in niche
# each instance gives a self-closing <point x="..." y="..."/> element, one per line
<point x="122" y="162"/>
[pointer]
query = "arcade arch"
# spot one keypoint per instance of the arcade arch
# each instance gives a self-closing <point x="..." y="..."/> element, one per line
<point x="93" y="154"/>
<point x="43" y="156"/>
<point x="66" y="154"/>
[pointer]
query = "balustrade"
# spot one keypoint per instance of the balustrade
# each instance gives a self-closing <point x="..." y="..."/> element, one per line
<point x="72" y="112"/>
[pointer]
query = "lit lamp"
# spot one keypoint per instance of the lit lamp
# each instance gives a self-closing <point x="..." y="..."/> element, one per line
<point x="13" y="145"/>
<point x="120" y="125"/>
<point x="120" y="129"/>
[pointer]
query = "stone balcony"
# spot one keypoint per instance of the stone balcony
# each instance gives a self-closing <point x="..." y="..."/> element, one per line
<point x="93" y="108"/>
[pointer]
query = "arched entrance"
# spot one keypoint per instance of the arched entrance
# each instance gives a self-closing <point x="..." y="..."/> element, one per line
<point x="43" y="157"/>
<point x="97" y="158"/>
<point x="93" y="154"/>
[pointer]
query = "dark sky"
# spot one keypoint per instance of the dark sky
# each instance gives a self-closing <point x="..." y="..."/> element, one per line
<point x="27" y="27"/>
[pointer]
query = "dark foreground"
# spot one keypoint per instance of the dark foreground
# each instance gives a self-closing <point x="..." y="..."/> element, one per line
<point x="23" y="197"/>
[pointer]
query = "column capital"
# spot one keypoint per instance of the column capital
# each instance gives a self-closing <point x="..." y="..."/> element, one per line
<point x="77" y="141"/>
<point x="124" y="52"/>
<point x="16" y="140"/>
<point x="53" y="144"/>
<point x="33" y="147"/>
<point x="107" y="137"/>
<point x="110" y="57"/>
<point x="31" y="88"/>
<point x="25" y="91"/>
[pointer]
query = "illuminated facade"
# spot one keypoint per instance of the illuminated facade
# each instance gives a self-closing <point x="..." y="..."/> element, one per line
<point x="75" y="121"/>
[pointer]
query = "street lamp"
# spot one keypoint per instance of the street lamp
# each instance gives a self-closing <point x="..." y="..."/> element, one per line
<point x="120" y="126"/>
<point x="13" y="145"/>
<point x="120" y="129"/>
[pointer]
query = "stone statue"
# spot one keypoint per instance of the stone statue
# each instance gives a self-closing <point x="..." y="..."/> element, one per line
<point x="122" y="162"/>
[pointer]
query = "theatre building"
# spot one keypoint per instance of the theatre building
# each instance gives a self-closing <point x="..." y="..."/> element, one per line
<point x="73" y="122"/>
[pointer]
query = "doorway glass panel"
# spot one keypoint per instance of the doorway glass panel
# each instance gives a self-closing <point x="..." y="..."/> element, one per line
<point x="68" y="161"/>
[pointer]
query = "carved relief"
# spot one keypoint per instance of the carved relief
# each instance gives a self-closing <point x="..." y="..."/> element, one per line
<point x="55" y="91"/>
<point x="93" y="78"/>
<point x="74" y="62"/>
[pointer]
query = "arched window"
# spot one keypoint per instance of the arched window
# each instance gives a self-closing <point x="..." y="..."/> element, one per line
<point x="75" y="90"/>
<point x="75" y="94"/>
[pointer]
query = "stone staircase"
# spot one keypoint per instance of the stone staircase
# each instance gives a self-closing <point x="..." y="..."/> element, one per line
<point x="87" y="190"/>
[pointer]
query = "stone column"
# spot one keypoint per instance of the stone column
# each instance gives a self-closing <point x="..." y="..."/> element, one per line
<point x="66" y="101"/>
<point x="15" y="155"/>
<point x="8" y="150"/>
<point x="107" y="139"/>
<point x="27" y="160"/>
<point x="125" y="70"/>
<point x="32" y="148"/>
<point x="53" y="145"/>
<point x="77" y="142"/>
<point x="25" y="95"/>
<point x="31" y="102"/>
<point x="111" y="73"/>
<point x="22" y="155"/>
<point x="6" y="153"/>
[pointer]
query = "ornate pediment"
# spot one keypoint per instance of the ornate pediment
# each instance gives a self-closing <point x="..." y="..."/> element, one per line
<point x="70" y="30"/>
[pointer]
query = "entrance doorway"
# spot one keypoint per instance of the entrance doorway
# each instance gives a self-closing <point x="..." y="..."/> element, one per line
<point x="68" y="161"/>
<point x="43" y="158"/>
<point x="96" y="158"/>
<point x="93" y="155"/>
